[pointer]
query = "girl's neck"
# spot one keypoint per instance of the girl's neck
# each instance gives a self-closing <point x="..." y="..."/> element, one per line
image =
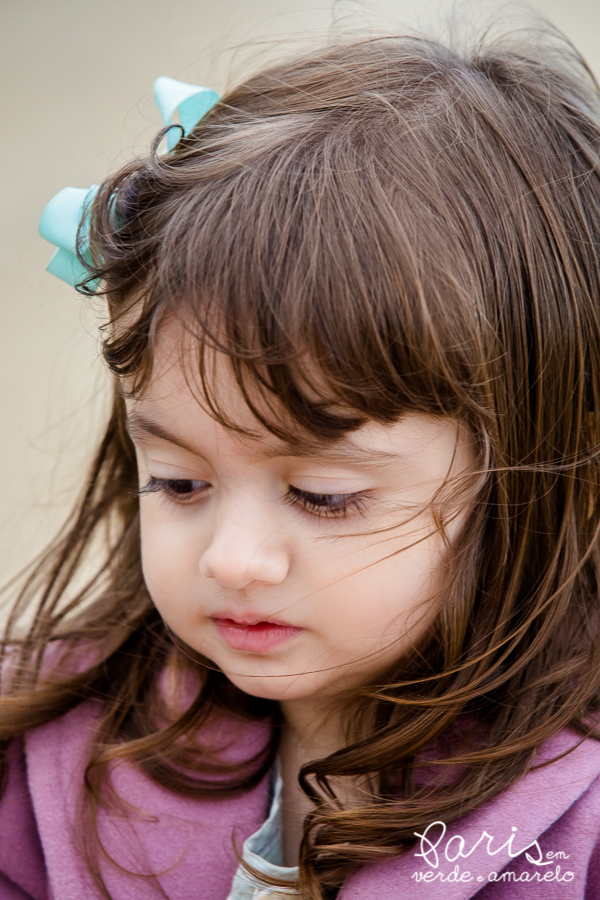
<point x="311" y="730"/>
<point x="309" y="733"/>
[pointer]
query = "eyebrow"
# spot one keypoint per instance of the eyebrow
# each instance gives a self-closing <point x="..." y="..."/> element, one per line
<point x="141" y="427"/>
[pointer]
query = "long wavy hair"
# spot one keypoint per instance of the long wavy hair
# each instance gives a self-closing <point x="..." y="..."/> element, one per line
<point x="386" y="226"/>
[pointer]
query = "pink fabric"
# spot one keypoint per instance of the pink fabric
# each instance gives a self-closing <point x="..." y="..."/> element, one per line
<point x="187" y="843"/>
<point x="557" y="806"/>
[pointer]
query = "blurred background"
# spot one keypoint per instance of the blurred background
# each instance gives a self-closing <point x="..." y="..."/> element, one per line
<point x="77" y="81"/>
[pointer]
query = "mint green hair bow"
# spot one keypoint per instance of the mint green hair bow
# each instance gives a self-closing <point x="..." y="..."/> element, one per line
<point x="59" y="224"/>
<point x="190" y="101"/>
<point x="62" y="217"/>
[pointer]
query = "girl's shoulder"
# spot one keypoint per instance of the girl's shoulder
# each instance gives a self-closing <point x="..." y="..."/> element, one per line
<point x="180" y="840"/>
<point x="540" y="839"/>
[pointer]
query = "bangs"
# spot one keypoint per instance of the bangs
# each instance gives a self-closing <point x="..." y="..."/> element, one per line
<point x="279" y="259"/>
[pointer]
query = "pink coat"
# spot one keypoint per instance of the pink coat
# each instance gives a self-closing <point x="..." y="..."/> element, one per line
<point x="552" y="814"/>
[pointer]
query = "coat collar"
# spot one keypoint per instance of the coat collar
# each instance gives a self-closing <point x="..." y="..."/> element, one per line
<point x="505" y="830"/>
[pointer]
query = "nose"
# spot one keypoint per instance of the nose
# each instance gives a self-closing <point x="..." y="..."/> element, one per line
<point x="244" y="550"/>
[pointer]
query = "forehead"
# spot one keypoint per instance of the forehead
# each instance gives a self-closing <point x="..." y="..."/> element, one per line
<point x="175" y="409"/>
<point x="184" y="370"/>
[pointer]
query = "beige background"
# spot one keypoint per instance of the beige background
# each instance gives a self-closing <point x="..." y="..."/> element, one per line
<point x="76" y="101"/>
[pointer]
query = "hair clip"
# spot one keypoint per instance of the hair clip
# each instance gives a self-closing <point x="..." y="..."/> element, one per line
<point x="69" y="208"/>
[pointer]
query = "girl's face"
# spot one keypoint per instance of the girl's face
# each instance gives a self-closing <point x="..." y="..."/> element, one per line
<point x="298" y="575"/>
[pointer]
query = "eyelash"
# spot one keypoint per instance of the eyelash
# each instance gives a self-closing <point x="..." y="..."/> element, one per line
<point x="169" y="486"/>
<point x="327" y="505"/>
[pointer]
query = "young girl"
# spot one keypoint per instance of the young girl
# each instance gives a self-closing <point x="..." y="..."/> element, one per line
<point x="325" y="622"/>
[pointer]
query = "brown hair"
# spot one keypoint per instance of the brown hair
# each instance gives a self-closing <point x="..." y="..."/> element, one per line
<point x="423" y="227"/>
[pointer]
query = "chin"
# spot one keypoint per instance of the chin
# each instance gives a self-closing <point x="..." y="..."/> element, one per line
<point x="274" y="687"/>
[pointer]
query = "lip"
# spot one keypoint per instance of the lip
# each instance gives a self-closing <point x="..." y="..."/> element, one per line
<point x="254" y="635"/>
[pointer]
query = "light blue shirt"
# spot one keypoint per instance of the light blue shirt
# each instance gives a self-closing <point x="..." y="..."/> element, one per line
<point x="263" y="851"/>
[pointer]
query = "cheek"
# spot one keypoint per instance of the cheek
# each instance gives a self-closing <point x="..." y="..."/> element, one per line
<point x="169" y="558"/>
<point x="383" y="600"/>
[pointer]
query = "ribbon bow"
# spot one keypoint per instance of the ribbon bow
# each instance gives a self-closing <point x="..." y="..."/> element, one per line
<point x="190" y="101"/>
<point x="69" y="208"/>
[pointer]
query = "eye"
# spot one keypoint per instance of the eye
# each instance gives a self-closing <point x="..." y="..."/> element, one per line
<point x="182" y="490"/>
<point x="331" y="505"/>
